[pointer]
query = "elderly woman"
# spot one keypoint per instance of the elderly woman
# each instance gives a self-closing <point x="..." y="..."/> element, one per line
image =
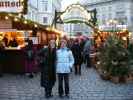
<point x="47" y="65"/>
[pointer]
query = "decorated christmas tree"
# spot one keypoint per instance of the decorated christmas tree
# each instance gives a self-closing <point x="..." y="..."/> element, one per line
<point x="114" y="57"/>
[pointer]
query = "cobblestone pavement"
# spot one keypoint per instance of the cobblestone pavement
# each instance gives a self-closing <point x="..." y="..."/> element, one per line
<point x="88" y="86"/>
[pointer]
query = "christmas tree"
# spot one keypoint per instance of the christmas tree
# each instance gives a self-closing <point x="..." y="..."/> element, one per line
<point x="114" y="57"/>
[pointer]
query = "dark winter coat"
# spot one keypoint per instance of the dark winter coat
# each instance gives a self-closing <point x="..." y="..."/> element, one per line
<point x="76" y="50"/>
<point x="87" y="46"/>
<point x="29" y="51"/>
<point x="48" y="66"/>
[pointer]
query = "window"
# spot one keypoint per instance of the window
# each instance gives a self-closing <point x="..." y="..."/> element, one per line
<point x="120" y="13"/>
<point x="122" y="20"/>
<point x="110" y="16"/>
<point x="103" y="17"/>
<point x="103" y="21"/>
<point x="45" y="19"/>
<point x="120" y="6"/>
<point x="132" y="18"/>
<point x="44" y="5"/>
<point x="110" y="8"/>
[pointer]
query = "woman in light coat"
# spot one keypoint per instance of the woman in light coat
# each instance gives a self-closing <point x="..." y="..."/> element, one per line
<point x="64" y="62"/>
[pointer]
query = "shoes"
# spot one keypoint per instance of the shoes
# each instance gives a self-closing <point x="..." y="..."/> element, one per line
<point x="48" y="96"/>
<point x="1" y="75"/>
<point x="31" y="76"/>
<point x="60" y="95"/>
<point x="67" y="95"/>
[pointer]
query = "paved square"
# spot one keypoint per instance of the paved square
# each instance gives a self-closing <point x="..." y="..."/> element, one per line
<point x="88" y="86"/>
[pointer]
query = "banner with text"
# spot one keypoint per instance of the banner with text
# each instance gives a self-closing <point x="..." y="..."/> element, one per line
<point x="11" y="6"/>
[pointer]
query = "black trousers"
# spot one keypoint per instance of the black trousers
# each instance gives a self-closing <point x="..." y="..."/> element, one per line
<point x="1" y="70"/>
<point x="48" y="89"/>
<point x="63" y="78"/>
<point x="77" y="70"/>
<point x="87" y="60"/>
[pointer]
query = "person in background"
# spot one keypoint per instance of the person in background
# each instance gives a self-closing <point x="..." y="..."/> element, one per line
<point x="64" y="62"/>
<point x="76" y="50"/>
<point x="13" y="43"/>
<point x="2" y="46"/>
<point x="5" y="40"/>
<point x="47" y="64"/>
<point x="86" y="52"/>
<point x="29" y="57"/>
<point x="70" y="43"/>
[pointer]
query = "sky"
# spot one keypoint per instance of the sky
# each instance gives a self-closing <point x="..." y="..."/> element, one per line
<point x="66" y="3"/>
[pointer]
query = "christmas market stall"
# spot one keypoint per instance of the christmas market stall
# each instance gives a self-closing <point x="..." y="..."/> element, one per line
<point x="12" y="27"/>
<point x="15" y="30"/>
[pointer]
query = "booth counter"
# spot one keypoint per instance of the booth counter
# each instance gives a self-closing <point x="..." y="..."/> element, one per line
<point x="15" y="61"/>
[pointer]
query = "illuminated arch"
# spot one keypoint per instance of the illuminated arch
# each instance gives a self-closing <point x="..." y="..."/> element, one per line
<point x="69" y="15"/>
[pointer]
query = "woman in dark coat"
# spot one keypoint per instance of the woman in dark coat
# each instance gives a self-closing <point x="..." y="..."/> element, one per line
<point x="48" y="68"/>
<point x="76" y="50"/>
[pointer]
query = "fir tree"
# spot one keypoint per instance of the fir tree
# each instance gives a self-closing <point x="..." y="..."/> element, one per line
<point x="114" y="57"/>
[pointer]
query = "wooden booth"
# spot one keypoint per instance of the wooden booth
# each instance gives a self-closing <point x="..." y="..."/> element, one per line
<point x="12" y="27"/>
<point x="103" y="35"/>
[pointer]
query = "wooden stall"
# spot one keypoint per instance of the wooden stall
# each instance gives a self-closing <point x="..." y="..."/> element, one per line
<point x="21" y="29"/>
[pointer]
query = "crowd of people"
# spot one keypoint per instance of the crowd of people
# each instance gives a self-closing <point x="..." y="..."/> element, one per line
<point x="58" y="60"/>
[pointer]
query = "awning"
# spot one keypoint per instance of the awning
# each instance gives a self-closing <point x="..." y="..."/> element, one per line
<point x="22" y="23"/>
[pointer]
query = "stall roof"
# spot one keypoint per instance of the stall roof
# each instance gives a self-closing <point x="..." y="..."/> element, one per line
<point x="21" y="23"/>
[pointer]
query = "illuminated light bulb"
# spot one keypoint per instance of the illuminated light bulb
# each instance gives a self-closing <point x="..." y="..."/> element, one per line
<point x="25" y="22"/>
<point x="15" y="19"/>
<point x="20" y="15"/>
<point x="124" y="38"/>
<point x="35" y="25"/>
<point x="6" y="17"/>
<point x="130" y="34"/>
<point x="22" y="7"/>
<point x="10" y="14"/>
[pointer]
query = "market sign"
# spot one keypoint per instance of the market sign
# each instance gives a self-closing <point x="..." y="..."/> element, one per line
<point x="113" y="27"/>
<point x="13" y="6"/>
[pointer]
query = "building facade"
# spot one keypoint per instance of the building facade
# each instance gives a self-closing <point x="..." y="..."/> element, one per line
<point x="119" y="10"/>
<point x="76" y="13"/>
<point x="42" y="11"/>
<point x="32" y="10"/>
